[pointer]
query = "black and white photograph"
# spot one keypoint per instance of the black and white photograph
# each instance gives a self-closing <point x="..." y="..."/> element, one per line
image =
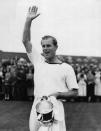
<point x="50" y="65"/>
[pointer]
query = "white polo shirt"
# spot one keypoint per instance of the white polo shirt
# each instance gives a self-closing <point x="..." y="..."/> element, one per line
<point x="51" y="78"/>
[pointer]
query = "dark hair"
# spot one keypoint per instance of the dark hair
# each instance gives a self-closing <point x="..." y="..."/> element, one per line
<point x="53" y="39"/>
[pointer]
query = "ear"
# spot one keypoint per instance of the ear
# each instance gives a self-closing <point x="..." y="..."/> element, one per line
<point x="56" y="47"/>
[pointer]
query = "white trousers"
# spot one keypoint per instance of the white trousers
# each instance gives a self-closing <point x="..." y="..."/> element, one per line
<point x="59" y="116"/>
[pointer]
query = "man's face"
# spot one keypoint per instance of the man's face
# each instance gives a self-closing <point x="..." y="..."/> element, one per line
<point x="49" y="49"/>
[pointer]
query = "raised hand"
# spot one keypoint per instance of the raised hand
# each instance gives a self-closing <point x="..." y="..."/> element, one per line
<point x="32" y="12"/>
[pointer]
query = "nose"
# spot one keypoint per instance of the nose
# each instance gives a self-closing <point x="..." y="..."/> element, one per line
<point x="45" y="47"/>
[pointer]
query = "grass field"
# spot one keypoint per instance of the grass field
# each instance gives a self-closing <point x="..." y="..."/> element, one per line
<point x="14" y="116"/>
<point x="83" y="116"/>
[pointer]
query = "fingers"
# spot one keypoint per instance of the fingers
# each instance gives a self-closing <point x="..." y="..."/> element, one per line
<point x="32" y="12"/>
<point x="33" y="9"/>
<point x="29" y="10"/>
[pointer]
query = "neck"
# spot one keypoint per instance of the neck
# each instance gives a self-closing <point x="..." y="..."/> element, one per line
<point x="53" y="60"/>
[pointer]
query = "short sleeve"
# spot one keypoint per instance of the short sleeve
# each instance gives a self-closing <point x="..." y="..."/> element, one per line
<point x="71" y="78"/>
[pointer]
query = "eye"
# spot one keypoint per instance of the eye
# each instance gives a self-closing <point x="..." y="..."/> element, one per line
<point x="43" y="46"/>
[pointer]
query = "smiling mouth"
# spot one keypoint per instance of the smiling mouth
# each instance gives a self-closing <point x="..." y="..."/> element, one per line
<point x="46" y="53"/>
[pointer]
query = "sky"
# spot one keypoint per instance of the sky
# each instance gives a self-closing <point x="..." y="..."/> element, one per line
<point x="76" y="24"/>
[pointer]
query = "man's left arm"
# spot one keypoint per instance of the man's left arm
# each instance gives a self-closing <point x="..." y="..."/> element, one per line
<point x="65" y="95"/>
<point x="71" y="83"/>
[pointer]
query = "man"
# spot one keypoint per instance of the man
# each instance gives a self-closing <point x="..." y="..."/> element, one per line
<point x="51" y="77"/>
<point x="20" y="92"/>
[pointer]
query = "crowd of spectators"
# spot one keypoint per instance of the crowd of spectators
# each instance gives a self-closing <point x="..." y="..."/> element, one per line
<point x="16" y="79"/>
<point x="17" y="82"/>
<point x="89" y="81"/>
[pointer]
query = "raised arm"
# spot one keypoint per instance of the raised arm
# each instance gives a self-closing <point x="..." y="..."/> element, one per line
<point x="32" y="14"/>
